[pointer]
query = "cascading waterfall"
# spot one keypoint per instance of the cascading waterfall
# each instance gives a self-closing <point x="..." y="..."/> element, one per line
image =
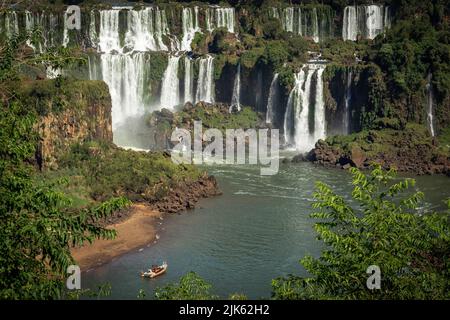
<point x="319" y="107"/>
<point x="303" y="106"/>
<point x="217" y="17"/>
<point x="236" y="97"/>
<point x="307" y="22"/>
<point x="190" y="27"/>
<point x="350" y="24"/>
<point x="273" y="93"/>
<point x="93" y="37"/>
<point x="366" y="21"/>
<point x="125" y="76"/>
<point x="347" y="103"/>
<point x="374" y="21"/>
<point x="170" y="84"/>
<point x="430" y="104"/>
<point x="288" y="21"/>
<point x="205" y="85"/>
<point x="188" y="80"/>
<point x="293" y="100"/>
<point x="11" y="24"/>
<point x="315" y="24"/>
<point x="145" y="29"/>
<point x="109" y="39"/>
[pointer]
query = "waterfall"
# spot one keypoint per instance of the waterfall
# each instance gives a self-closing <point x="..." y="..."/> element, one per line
<point x="292" y="106"/>
<point x="347" y="103"/>
<point x="273" y="93"/>
<point x="315" y="24"/>
<point x="124" y="75"/>
<point x="65" y="32"/>
<point x="235" y="99"/>
<point x="93" y="37"/>
<point x="170" y="84"/>
<point x="188" y="80"/>
<point x="288" y="21"/>
<point x="350" y="24"/>
<point x="306" y="21"/>
<point x="145" y="29"/>
<point x="11" y="24"/>
<point x="205" y="85"/>
<point x="430" y="104"/>
<point x="374" y="20"/>
<point x="190" y="27"/>
<point x="366" y="21"/>
<point x="299" y="23"/>
<point x="217" y="17"/>
<point x="109" y="39"/>
<point x="306" y="105"/>
<point x="319" y="107"/>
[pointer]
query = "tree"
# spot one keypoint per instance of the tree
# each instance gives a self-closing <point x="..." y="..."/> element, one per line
<point x="189" y="287"/>
<point x="382" y="226"/>
<point x="37" y="224"/>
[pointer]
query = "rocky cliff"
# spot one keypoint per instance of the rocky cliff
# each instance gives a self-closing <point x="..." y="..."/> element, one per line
<point x="69" y="112"/>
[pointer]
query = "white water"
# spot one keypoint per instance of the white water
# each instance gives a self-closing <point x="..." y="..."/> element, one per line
<point x="430" y="105"/>
<point x="273" y="92"/>
<point x="145" y="28"/>
<point x="124" y="75"/>
<point x="305" y="23"/>
<point x="347" y="103"/>
<point x="288" y="21"/>
<point x="236" y="97"/>
<point x="374" y="21"/>
<point x="188" y="80"/>
<point x="297" y="128"/>
<point x="190" y="27"/>
<point x="109" y="31"/>
<point x="11" y="24"/>
<point x="205" y="84"/>
<point x="93" y="37"/>
<point x="315" y="24"/>
<point x="170" y="84"/>
<point x="350" y="24"/>
<point x="366" y="21"/>
<point x="217" y="17"/>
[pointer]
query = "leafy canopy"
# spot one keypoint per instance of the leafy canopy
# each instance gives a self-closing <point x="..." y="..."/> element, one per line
<point x="383" y="227"/>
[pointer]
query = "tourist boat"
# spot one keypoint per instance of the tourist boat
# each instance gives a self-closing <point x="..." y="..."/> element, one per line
<point x="155" y="271"/>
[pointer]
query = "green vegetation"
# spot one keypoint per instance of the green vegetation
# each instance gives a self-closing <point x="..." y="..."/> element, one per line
<point x="103" y="170"/>
<point x="38" y="224"/>
<point x="387" y="140"/>
<point x="190" y="287"/>
<point x="384" y="227"/>
<point x="218" y="117"/>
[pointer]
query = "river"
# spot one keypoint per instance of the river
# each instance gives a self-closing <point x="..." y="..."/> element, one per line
<point x="256" y="231"/>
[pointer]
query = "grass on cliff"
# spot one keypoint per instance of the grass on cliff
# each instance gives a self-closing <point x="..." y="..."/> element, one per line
<point x="97" y="171"/>
<point x="219" y="118"/>
<point x="386" y="141"/>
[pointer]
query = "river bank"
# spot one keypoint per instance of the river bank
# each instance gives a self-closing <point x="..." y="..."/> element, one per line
<point x="137" y="230"/>
<point x="136" y="226"/>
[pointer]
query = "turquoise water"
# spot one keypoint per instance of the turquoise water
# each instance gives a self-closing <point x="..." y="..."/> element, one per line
<point x="256" y="231"/>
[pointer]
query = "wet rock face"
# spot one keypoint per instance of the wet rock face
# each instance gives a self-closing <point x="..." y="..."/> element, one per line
<point x="185" y="195"/>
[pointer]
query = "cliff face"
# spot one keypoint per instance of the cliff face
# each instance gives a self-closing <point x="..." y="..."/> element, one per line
<point x="69" y="112"/>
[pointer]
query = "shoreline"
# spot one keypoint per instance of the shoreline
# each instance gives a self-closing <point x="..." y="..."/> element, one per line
<point x="137" y="227"/>
<point x="138" y="230"/>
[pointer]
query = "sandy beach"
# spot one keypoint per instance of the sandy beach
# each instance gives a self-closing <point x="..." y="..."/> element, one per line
<point x="136" y="231"/>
